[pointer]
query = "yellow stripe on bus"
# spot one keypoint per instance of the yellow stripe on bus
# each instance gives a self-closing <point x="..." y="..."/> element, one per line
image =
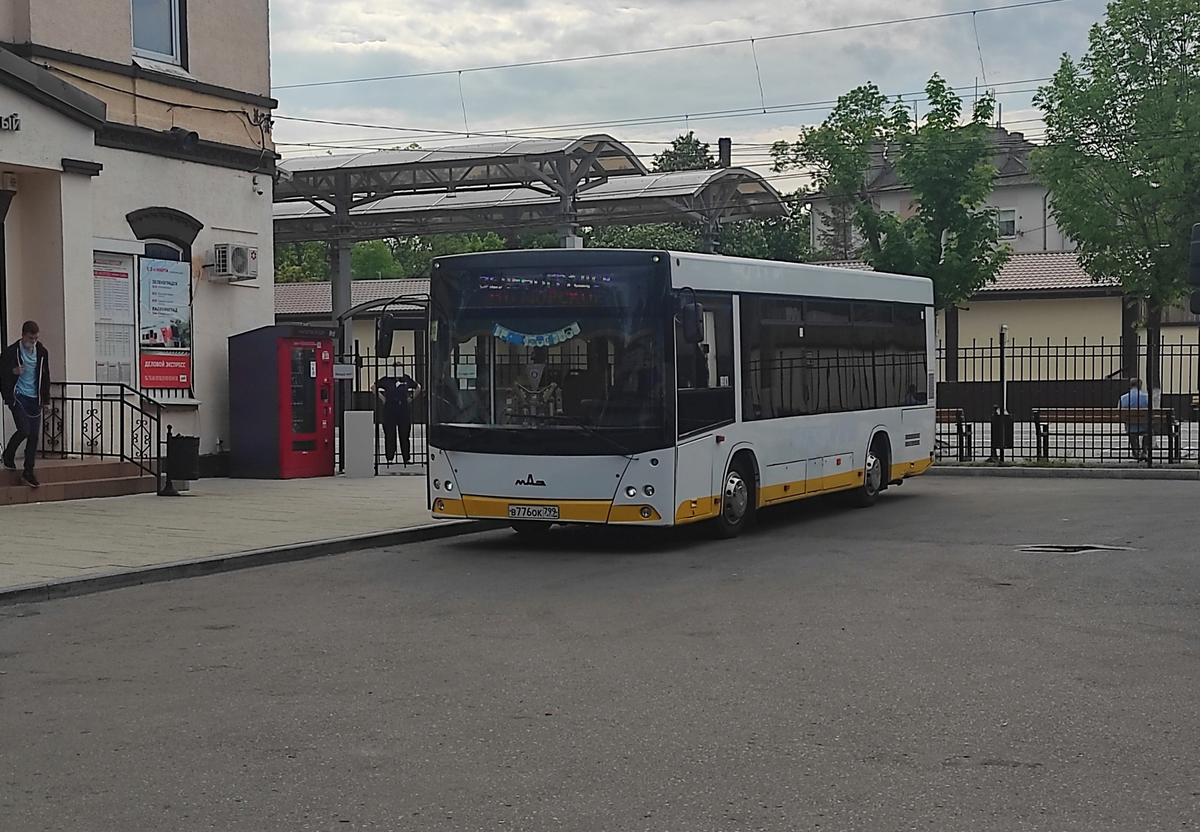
<point x="569" y="511"/>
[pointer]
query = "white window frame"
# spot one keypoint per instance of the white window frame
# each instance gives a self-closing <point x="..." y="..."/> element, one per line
<point x="1000" y="214"/>
<point x="176" y="37"/>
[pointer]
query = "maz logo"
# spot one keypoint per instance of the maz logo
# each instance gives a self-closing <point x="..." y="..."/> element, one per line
<point x="531" y="481"/>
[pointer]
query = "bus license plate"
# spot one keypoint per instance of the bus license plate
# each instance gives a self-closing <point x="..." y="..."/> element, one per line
<point x="532" y="512"/>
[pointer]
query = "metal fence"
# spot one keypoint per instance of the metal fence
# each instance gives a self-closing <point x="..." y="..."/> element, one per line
<point x="369" y="370"/>
<point x="1061" y="400"/>
<point x="1062" y="403"/>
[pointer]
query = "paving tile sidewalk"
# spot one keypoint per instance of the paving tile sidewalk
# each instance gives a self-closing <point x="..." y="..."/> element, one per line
<point x="50" y="542"/>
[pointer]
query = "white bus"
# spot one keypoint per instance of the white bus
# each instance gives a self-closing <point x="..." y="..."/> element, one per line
<point x="576" y="386"/>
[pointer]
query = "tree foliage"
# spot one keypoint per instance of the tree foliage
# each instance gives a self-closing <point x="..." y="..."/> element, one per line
<point x="685" y="153"/>
<point x="951" y="236"/>
<point x="390" y="259"/>
<point x="1122" y="154"/>
<point x="301" y="262"/>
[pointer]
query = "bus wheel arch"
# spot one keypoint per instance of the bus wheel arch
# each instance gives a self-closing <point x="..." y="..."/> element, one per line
<point x="876" y="470"/>
<point x="739" y="494"/>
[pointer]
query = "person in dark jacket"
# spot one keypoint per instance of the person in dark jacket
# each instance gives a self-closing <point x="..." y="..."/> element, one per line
<point x="25" y="387"/>
<point x="396" y="395"/>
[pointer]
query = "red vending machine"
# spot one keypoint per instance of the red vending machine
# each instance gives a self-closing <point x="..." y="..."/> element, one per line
<point x="281" y="407"/>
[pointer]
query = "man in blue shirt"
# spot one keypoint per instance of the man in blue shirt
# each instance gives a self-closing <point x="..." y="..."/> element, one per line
<point x="1137" y="421"/>
<point x="25" y="387"/>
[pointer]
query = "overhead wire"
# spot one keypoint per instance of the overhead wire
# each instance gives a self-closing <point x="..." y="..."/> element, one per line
<point x="849" y="27"/>
<point x="541" y="131"/>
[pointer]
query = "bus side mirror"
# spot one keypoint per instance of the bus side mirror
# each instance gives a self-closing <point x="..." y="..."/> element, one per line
<point x="691" y="318"/>
<point x="383" y="339"/>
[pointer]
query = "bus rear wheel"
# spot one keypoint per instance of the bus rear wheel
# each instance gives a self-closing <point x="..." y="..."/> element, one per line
<point x="874" y="477"/>
<point x="737" y="500"/>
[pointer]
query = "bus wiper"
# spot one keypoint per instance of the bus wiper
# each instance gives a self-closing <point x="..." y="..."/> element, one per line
<point x="625" y="452"/>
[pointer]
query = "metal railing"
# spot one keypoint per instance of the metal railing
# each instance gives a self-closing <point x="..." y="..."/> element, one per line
<point x="369" y="369"/>
<point x="1063" y="403"/>
<point x="106" y="421"/>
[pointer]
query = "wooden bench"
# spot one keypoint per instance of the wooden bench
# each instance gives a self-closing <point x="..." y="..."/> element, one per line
<point x="1163" y="423"/>
<point x="966" y="431"/>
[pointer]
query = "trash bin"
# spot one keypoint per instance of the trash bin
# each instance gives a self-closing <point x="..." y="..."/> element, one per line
<point x="1002" y="430"/>
<point x="183" y="457"/>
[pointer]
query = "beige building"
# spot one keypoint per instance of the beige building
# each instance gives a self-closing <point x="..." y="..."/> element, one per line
<point x="136" y="167"/>
<point x="1022" y="204"/>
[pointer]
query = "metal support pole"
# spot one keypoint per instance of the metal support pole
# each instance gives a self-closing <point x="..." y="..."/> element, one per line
<point x="1003" y="391"/>
<point x="568" y="236"/>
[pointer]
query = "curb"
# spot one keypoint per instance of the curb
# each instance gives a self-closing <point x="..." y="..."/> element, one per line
<point x="1068" y="473"/>
<point x="216" y="564"/>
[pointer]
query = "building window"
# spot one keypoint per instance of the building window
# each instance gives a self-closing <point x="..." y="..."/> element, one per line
<point x="158" y="30"/>
<point x="1007" y="221"/>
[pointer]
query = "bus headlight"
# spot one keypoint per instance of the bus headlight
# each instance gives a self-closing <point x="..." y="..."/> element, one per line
<point x="645" y="512"/>
<point x="648" y="490"/>
<point x="630" y="491"/>
<point x="437" y="485"/>
<point x="449" y="486"/>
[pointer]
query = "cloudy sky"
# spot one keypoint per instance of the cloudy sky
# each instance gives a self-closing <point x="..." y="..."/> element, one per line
<point x="791" y="69"/>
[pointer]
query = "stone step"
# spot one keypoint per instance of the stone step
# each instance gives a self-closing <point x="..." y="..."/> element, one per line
<point x="72" y="470"/>
<point x="51" y="492"/>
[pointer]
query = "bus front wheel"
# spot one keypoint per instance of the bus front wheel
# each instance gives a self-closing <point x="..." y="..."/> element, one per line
<point x="737" y="500"/>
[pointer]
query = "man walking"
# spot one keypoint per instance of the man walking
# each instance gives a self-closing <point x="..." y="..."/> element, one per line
<point x="1136" y="402"/>
<point x="25" y="387"/>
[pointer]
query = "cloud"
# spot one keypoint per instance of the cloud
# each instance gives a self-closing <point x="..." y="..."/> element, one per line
<point x="641" y="98"/>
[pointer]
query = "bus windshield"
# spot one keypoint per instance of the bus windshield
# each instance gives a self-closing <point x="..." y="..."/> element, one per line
<point x="574" y="356"/>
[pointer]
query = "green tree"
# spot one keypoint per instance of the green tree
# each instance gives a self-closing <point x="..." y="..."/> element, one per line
<point x="685" y="153"/>
<point x="373" y="260"/>
<point x="667" y="235"/>
<point x="414" y="255"/>
<point x="1122" y="153"/>
<point x="952" y="236"/>
<point x="301" y="262"/>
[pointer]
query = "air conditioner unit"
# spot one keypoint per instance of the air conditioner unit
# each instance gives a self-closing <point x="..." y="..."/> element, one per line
<point x="232" y="262"/>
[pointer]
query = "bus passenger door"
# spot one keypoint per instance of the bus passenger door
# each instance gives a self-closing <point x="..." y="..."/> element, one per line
<point x="704" y="407"/>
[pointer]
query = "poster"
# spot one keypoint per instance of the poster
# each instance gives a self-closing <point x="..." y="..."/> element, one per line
<point x="115" y="317"/>
<point x="166" y="304"/>
<point x="166" y="371"/>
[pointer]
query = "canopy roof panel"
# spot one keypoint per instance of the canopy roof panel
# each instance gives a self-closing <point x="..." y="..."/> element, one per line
<point x="556" y="165"/>
<point x="704" y="196"/>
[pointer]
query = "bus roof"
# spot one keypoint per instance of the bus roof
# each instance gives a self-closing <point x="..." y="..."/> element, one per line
<point x="714" y="272"/>
<point x="719" y="273"/>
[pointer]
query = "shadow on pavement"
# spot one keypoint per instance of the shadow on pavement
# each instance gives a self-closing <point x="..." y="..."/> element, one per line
<point x="790" y="518"/>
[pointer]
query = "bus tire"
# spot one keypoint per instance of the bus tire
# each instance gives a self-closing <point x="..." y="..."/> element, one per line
<point x="874" y="476"/>
<point x="531" y="528"/>
<point x="737" y="500"/>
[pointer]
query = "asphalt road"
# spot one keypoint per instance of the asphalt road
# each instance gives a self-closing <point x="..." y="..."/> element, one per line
<point x="903" y="667"/>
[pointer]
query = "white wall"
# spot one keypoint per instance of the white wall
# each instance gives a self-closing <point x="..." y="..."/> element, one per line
<point x="226" y="202"/>
<point x="47" y="229"/>
<point x="1036" y="228"/>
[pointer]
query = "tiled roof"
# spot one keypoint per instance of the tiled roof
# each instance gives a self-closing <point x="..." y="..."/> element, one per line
<point x="1030" y="271"/>
<point x="1053" y="271"/>
<point x="316" y="298"/>
<point x="1011" y="160"/>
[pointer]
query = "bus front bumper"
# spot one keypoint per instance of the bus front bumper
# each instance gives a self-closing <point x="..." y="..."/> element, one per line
<point x="553" y="511"/>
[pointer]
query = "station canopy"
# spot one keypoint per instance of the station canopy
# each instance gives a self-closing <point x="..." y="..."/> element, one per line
<point x="509" y="187"/>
